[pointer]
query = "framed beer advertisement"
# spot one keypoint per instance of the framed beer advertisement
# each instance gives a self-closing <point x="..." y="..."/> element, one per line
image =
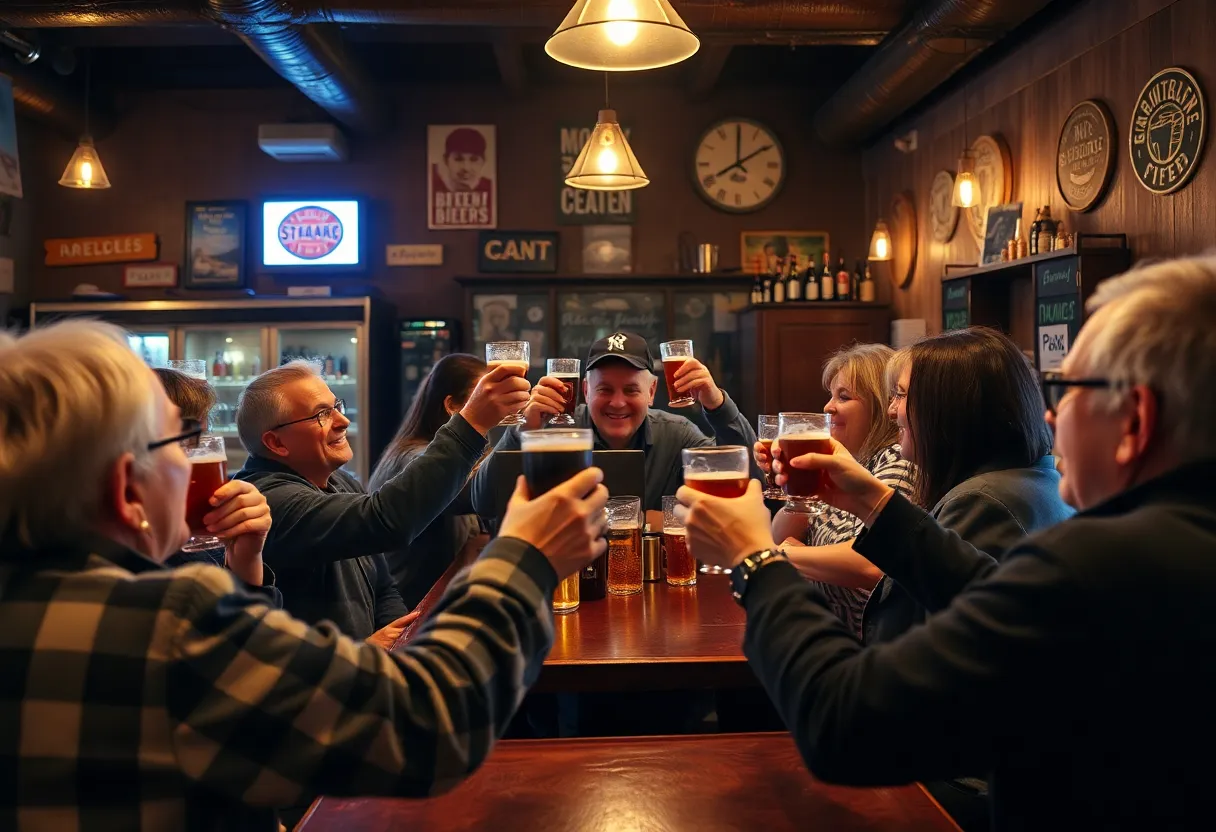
<point x="462" y="176"/>
<point x="215" y="245"/>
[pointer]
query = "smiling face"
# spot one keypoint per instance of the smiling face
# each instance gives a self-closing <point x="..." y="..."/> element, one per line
<point x="898" y="410"/>
<point x="851" y="416"/>
<point x="311" y="450"/>
<point x="465" y="169"/>
<point x="618" y="399"/>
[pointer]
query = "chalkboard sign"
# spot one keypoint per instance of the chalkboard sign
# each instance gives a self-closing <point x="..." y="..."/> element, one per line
<point x="1002" y="225"/>
<point x="956" y="304"/>
<point x="1058" y="310"/>
<point x="585" y="317"/>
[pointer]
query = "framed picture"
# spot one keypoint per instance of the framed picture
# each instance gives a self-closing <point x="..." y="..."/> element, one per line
<point x="462" y="176"/>
<point x="607" y="249"/>
<point x="757" y="247"/>
<point x="1001" y="224"/>
<point x="215" y="245"/>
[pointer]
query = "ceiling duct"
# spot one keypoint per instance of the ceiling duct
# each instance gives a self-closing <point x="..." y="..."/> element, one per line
<point x="42" y="96"/>
<point x="942" y="37"/>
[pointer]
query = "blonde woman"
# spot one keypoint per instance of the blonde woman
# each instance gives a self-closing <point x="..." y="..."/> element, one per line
<point x="859" y="385"/>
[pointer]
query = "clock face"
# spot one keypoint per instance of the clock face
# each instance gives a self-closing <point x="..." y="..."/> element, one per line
<point x="739" y="165"/>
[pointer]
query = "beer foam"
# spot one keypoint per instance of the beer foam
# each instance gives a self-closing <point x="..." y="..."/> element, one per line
<point x="562" y="443"/>
<point x="522" y="366"/>
<point x="209" y="458"/>
<point x="806" y="436"/>
<point x="574" y="376"/>
<point x="675" y="531"/>
<point x="671" y="358"/>
<point x="715" y="475"/>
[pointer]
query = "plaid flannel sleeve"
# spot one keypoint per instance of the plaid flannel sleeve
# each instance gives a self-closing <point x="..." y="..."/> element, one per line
<point x="266" y="709"/>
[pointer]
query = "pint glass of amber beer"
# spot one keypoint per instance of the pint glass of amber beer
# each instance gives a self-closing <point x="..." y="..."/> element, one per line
<point x="567" y="371"/>
<point x="722" y="472"/>
<point x="800" y="434"/>
<point x="674" y="354"/>
<point x="550" y="458"/>
<point x="681" y="567"/>
<point x="516" y="355"/>
<point x="766" y="432"/>
<point x="208" y="471"/>
<point x="624" y="545"/>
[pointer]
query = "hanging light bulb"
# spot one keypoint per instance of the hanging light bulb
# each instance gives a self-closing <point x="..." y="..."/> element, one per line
<point x="966" y="185"/>
<point x="622" y="35"/>
<point x="606" y="162"/>
<point x="880" y="243"/>
<point x="84" y="169"/>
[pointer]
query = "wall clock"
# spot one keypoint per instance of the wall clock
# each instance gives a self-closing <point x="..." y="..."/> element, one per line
<point x="738" y="165"/>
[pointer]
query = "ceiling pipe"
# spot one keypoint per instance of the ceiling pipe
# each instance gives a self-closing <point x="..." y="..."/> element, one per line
<point x="50" y="100"/>
<point x="941" y="38"/>
<point x="26" y="51"/>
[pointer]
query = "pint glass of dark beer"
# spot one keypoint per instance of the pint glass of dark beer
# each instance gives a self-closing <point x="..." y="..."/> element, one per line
<point x="800" y="434"/>
<point x="567" y="371"/>
<point x="513" y="354"/>
<point x="681" y="567"/>
<point x="624" y="545"/>
<point x="674" y="354"/>
<point x="208" y="471"/>
<point x="722" y="472"/>
<point x="550" y="458"/>
<point x="766" y="432"/>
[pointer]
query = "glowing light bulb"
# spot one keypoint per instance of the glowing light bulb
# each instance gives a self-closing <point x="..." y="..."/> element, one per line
<point x="86" y="172"/>
<point x="622" y="31"/>
<point x="607" y="160"/>
<point x="964" y="193"/>
<point x="880" y="248"/>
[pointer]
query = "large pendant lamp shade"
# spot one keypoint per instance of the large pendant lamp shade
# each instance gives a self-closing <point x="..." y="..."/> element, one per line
<point x="84" y="169"/>
<point x="606" y="162"/>
<point x="622" y="36"/>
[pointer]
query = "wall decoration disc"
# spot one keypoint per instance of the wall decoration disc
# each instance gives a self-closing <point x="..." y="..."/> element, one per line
<point x="994" y="170"/>
<point x="1169" y="124"/>
<point x="1085" y="155"/>
<point x="943" y="213"/>
<point x="903" y="239"/>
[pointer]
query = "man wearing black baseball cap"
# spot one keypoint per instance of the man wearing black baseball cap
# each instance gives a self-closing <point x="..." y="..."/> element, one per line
<point x="618" y="391"/>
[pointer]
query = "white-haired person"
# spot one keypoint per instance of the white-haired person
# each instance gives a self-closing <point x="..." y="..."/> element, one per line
<point x="1076" y="672"/>
<point x="138" y="697"/>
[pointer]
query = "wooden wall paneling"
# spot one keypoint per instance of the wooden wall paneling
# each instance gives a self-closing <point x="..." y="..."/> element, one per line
<point x="1194" y="208"/>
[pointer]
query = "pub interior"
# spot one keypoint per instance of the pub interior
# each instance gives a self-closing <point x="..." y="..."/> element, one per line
<point x="607" y="414"/>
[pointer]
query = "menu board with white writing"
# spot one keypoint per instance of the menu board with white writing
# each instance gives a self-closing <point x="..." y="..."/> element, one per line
<point x="1058" y="310"/>
<point x="956" y="304"/>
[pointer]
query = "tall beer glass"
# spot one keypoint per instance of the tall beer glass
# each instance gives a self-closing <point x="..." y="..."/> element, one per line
<point x="804" y="433"/>
<point x="674" y="354"/>
<point x="208" y="471"/>
<point x="550" y="458"/>
<point x="722" y="472"/>
<point x="766" y="432"/>
<point x="624" y="545"/>
<point x="681" y="567"/>
<point x="513" y="354"/>
<point x="567" y="371"/>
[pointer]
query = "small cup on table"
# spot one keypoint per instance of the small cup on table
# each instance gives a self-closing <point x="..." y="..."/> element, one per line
<point x="681" y="567"/>
<point x="624" y="545"/>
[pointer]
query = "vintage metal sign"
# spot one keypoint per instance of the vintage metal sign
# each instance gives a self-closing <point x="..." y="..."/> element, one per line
<point x="1169" y="124"/>
<point x="1085" y="155"/>
<point x="112" y="248"/>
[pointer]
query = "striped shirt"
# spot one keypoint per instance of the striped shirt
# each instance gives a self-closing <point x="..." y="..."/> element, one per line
<point x="836" y="526"/>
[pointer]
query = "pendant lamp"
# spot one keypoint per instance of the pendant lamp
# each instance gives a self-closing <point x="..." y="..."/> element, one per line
<point x="880" y="243"/>
<point x="84" y="169"/>
<point x="622" y="36"/>
<point x="606" y="162"/>
<point x="966" y="186"/>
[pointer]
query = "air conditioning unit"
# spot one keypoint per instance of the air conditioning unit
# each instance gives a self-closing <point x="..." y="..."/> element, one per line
<point x="302" y="142"/>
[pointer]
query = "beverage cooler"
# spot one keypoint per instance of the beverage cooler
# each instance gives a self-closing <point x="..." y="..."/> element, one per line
<point x="423" y="343"/>
<point x="352" y="341"/>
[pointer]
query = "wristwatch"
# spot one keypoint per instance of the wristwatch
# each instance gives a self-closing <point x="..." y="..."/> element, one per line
<point x="751" y="564"/>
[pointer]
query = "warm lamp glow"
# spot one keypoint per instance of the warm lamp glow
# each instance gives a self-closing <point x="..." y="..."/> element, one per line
<point x="966" y="186"/>
<point x="606" y="162"/>
<point x="622" y="35"/>
<point x="880" y="243"/>
<point x="84" y="169"/>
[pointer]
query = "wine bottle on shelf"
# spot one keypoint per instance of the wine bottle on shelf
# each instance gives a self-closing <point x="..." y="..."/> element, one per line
<point x="827" y="280"/>
<point x="778" y="288"/>
<point x="767" y="286"/>
<point x="867" y="291"/>
<point x="842" y="281"/>
<point x="793" y="284"/>
<point x="810" y="282"/>
<point x="1047" y="232"/>
<point x="757" y="290"/>
<point x="1035" y="228"/>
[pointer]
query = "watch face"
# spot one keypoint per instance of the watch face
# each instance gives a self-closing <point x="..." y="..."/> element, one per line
<point x="739" y="165"/>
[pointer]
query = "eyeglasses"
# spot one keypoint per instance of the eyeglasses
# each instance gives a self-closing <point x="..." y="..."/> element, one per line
<point x="323" y="416"/>
<point x="1055" y="386"/>
<point x="192" y="429"/>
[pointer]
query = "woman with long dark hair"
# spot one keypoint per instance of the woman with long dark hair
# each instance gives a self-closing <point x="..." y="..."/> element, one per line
<point x="444" y="391"/>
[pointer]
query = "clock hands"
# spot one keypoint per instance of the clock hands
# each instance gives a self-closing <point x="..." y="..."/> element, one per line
<point x="738" y="163"/>
<point x="738" y="143"/>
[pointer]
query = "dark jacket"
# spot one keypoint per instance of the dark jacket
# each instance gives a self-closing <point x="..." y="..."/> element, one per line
<point x="992" y="511"/>
<point x="326" y="545"/>
<point x="1078" y="672"/>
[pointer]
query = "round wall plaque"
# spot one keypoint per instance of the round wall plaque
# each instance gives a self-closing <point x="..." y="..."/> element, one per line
<point x="1085" y="155"/>
<point x="1169" y="124"/>
<point x="943" y="214"/>
<point x="903" y="239"/>
<point x="994" y="170"/>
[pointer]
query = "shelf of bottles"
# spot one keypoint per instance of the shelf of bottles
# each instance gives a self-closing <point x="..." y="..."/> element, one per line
<point x="793" y="279"/>
<point x="233" y="357"/>
<point x="334" y="352"/>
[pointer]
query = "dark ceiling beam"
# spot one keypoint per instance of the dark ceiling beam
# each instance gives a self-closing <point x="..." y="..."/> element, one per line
<point x="706" y="69"/>
<point x="42" y="96"/>
<point x="509" y="55"/>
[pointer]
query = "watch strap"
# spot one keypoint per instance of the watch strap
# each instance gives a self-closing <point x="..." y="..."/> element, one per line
<point x="740" y="576"/>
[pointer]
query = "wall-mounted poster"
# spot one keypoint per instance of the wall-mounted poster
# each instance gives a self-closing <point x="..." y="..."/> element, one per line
<point x="607" y="249"/>
<point x="578" y="206"/>
<point x="215" y="245"/>
<point x="10" y="168"/>
<point x="756" y="248"/>
<point x="462" y="180"/>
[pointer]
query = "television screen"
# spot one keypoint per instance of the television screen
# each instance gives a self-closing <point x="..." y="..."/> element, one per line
<point x="311" y="233"/>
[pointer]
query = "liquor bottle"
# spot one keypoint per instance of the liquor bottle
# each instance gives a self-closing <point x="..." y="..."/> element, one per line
<point x="866" y="292"/>
<point x="810" y="283"/>
<point x="1035" y="228"/>
<point x="344" y="366"/>
<point x="858" y="276"/>
<point x="1047" y="232"/>
<point x="217" y="366"/>
<point x="827" y="280"/>
<point x="793" y="284"/>
<point x="778" y="288"/>
<point x="329" y="365"/>
<point x="842" y="281"/>
<point x="757" y="290"/>
<point x="767" y="289"/>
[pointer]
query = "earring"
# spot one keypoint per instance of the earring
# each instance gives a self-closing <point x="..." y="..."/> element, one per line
<point x="144" y="526"/>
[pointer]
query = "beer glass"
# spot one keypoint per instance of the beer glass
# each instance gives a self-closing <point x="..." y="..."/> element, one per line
<point x="192" y="367"/>
<point x="674" y="354"/>
<point x="681" y="567"/>
<point x="804" y="433"/>
<point x="567" y="371"/>
<point x="766" y="432"/>
<point x="722" y="471"/>
<point x="516" y="355"/>
<point x="624" y="545"/>
<point x="208" y="471"/>
<point x="550" y="458"/>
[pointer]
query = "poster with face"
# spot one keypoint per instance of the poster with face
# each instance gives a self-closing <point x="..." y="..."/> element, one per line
<point x="462" y="189"/>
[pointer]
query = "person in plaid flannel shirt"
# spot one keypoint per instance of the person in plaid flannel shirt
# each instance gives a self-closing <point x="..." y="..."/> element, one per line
<point x="138" y="697"/>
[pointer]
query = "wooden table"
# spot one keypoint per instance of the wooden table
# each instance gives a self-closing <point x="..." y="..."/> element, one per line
<point x="657" y="784"/>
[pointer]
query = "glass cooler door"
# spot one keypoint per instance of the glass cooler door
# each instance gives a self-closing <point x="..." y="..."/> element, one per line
<point x="233" y="357"/>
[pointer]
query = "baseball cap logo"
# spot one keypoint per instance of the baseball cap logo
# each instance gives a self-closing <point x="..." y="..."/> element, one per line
<point x="616" y="342"/>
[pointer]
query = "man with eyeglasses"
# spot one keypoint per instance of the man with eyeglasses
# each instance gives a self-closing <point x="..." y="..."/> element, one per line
<point x="1078" y="672"/>
<point x="328" y="535"/>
